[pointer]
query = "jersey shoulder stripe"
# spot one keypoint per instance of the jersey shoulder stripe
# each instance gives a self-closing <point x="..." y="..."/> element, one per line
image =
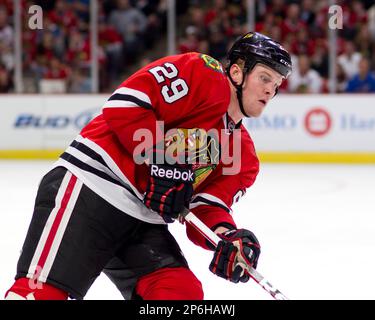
<point x="135" y="102"/>
<point x="127" y="97"/>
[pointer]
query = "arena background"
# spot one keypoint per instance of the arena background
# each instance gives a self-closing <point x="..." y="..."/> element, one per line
<point x="51" y="50"/>
<point x="61" y="59"/>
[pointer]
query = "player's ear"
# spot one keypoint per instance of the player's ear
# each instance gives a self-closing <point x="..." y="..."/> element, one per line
<point x="236" y="73"/>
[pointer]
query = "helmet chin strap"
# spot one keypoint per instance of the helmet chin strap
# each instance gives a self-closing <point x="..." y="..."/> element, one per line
<point x="239" y="90"/>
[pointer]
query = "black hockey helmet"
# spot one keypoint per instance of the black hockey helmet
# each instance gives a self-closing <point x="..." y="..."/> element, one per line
<point x="255" y="48"/>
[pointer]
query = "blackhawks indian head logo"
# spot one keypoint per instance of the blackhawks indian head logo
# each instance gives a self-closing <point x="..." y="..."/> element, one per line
<point x="194" y="146"/>
<point x="212" y="63"/>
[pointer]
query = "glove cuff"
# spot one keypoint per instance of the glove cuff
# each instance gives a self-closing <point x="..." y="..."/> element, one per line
<point x="221" y="224"/>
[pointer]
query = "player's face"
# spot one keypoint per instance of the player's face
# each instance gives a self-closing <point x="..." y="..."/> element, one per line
<point x="259" y="87"/>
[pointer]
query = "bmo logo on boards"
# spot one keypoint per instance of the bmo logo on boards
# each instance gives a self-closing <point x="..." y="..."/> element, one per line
<point x="318" y="122"/>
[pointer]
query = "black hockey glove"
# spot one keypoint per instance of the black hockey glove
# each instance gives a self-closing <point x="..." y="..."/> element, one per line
<point x="238" y="250"/>
<point x="169" y="189"/>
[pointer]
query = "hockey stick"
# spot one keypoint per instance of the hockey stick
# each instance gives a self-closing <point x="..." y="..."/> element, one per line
<point x="214" y="239"/>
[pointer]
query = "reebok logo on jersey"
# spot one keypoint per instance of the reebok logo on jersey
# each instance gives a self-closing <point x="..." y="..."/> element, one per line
<point x="173" y="174"/>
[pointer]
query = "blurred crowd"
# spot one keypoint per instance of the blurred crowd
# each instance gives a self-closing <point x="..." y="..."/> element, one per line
<point x="57" y="57"/>
<point x="302" y="28"/>
<point x="130" y="32"/>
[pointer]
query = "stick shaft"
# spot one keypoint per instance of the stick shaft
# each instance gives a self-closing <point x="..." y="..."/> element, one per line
<point x="214" y="239"/>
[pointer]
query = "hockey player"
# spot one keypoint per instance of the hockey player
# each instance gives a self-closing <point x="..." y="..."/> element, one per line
<point x="106" y="203"/>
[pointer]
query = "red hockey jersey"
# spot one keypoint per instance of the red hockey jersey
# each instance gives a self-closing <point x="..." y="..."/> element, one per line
<point x="177" y="94"/>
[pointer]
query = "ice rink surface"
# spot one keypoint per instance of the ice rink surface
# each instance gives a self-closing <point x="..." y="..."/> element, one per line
<point x="315" y="223"/>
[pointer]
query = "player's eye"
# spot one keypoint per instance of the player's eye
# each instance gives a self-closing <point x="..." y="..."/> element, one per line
<point x="265" y="79"/>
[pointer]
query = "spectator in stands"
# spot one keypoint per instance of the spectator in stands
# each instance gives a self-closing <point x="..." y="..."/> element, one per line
<point x="131" y="23"/>
<point x="349" y="59"/>
<point x="30" y="40"/>
<point x="64" y="15"/>
<point x="111" y="42"/>
<point x="278" y="8"/>
<point x="6" y="56"/>
<point x="37" y="69"/>
<point x="6" y="52"/>
<point x="55" y="77"/>
<point x="213" y="12"/>
<point x="79" y="82"/>
<point x="81" y="9"/>
<point x="357" y="13"/>
<point x="6" y="31"/>
<point x="304" y="79"/>
<point x="319" y="58"/>
<point x="341" y="79"/>
<point x="266" y="24"/>
<point x="275" y="33"/>
<point x="217" y="43"/>
<point x="6" y="83"/>
<point x="190" y="42"/>
<point x="77" y="53"/>
<point x="302" y="43"/>
<point x="321" y="19"/>
<point x="371" y="28"/>
<point x="213" y="25"/>
<point x="47" y="46"/>
<point x="292" y="22"/>
<point x="364" y="81"/>
<point x="56" y="70"/>
<point x="308" y="13"/>
<point x="224" y="21"/>
<point x="156" y="13"/>
<point x="371" y="21"/>
<point x="196" y="17"/>
<point x="363" y="41"/>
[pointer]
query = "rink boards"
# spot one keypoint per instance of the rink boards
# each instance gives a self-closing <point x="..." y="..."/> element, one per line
<point x="293" y="128"/>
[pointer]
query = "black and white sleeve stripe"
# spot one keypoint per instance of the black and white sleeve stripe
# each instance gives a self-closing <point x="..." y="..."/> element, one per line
<point x="208" y="200"/>
<point x="86" y="155"/>
<point x="128" y="98"/>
